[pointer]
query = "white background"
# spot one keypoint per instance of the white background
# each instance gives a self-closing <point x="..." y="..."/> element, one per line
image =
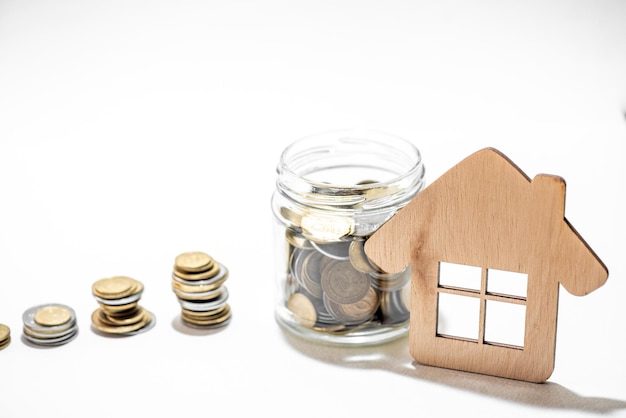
<point x="132" y="131"/>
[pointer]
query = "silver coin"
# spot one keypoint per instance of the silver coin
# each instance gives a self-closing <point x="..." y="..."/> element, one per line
<point x="339" y="250"/>
<point x="51" y="341"/>
<point x="28" y="318"/>
<point x="205" y="306"/>
<point x="211" y="294"/>
<point x="311" y="272"/>
<point x="325" y="318"/>
<point x="48" y="335"/>
<point x="219" y="276"/>
<point x="122" y="301"/>
<point x="297" y="261"/>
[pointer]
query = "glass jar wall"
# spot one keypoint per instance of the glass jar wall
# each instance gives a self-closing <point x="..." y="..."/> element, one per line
<point x="333" y="190"/>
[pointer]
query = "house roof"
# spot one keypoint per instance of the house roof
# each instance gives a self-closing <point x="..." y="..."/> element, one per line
<point x="486" y="211"/>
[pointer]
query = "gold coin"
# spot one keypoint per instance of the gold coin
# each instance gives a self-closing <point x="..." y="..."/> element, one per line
<point x="187" y="288"/>
<point x="203" y="275"/>
<point x="290" y="216"/>
<point x="5" y="343"/>
<point x="222" y="317"/>
<point x="331" y="328"/>
<point x="206" y="314"/>
<point x="320" y="228"/>
<point x="122" y="313"/>
<point x="302" y="309"/>
<point x="132" y="318"/>
<point x="193" y="262"/>
<point x="207" y="320"/>
<point x="52" y="316"/>
<point x="113" y="329"/>
<point x="5" y="333"/>
<point x="343" y="284"/>
<point x="359" y="259"/>
<point x="297" y="240"/>
<point x="116" y="287"/>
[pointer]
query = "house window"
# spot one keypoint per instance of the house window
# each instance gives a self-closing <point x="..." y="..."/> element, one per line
<point x="482" y="305"/>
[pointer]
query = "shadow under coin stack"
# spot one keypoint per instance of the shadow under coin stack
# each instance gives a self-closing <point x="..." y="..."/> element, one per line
<point x="198" y="283"/>
<point x="119" y="312"/>
<point x="5" y="336"/>
<point x="50" y="325"/>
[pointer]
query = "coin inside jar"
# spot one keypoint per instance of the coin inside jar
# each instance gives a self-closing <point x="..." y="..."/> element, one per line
<point x="302" y="309"/>
<point x="357" y="312"/>
<point x="326" y="228"/>
<point x="311" y="273"/>
<point x="342" y="283"/>
<point x="358" y="258"/>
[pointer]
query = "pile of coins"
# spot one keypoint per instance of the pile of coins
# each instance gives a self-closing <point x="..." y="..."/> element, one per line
<point x="332" y="286"/>
<point x="50" y="325"/>
<point x="198" y="283"/>
<point x="5" y="336"/>
<point x="119" y="312"/>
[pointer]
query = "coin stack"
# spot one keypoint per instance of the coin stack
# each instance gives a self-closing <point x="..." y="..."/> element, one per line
<point x="119" y="312"/>
<point x="50" y="325"/>
<point x="198" y="283"/>
<point x="5" y="336"/>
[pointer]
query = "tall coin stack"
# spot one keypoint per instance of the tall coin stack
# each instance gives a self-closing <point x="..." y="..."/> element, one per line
<point x="5" y="336"/>
<point x="119" y="312"/>
<point x="50" y="325"/>
<point x="198" y="283"/>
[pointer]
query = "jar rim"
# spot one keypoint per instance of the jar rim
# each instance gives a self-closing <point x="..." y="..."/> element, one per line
<point x="337" y="137"/>
<point x="356" y="151"/>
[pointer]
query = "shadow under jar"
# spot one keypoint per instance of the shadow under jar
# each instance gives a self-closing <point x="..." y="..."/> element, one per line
<point x="333" y="191"/>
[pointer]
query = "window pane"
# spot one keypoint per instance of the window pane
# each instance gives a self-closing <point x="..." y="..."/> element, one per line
<point x="460" y="275"/>
<point x="507" y="282"/>
<point x="458" y="316"/>
<point x="505" y="323"/>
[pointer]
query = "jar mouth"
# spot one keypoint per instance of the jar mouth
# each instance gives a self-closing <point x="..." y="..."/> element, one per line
<point x="350" y="168"/>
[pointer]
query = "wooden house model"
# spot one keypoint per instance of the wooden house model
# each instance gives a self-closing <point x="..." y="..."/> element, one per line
<point x="492" y="243"/>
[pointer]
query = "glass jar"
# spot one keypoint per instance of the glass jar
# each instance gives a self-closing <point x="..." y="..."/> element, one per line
<point x="333" y="190"/>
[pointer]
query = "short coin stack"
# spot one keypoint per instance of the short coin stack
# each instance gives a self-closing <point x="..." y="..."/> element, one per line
<point x="198" y="282"/>
<point x="119" y="312"/>
<point x="50" y="325"/>
<point x="5" y="336"/>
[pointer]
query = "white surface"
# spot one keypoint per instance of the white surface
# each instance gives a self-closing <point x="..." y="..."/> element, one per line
<point x="131" y="131"/>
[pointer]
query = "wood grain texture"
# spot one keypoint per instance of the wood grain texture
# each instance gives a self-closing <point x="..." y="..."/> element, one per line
<point x="486" y="212"/>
